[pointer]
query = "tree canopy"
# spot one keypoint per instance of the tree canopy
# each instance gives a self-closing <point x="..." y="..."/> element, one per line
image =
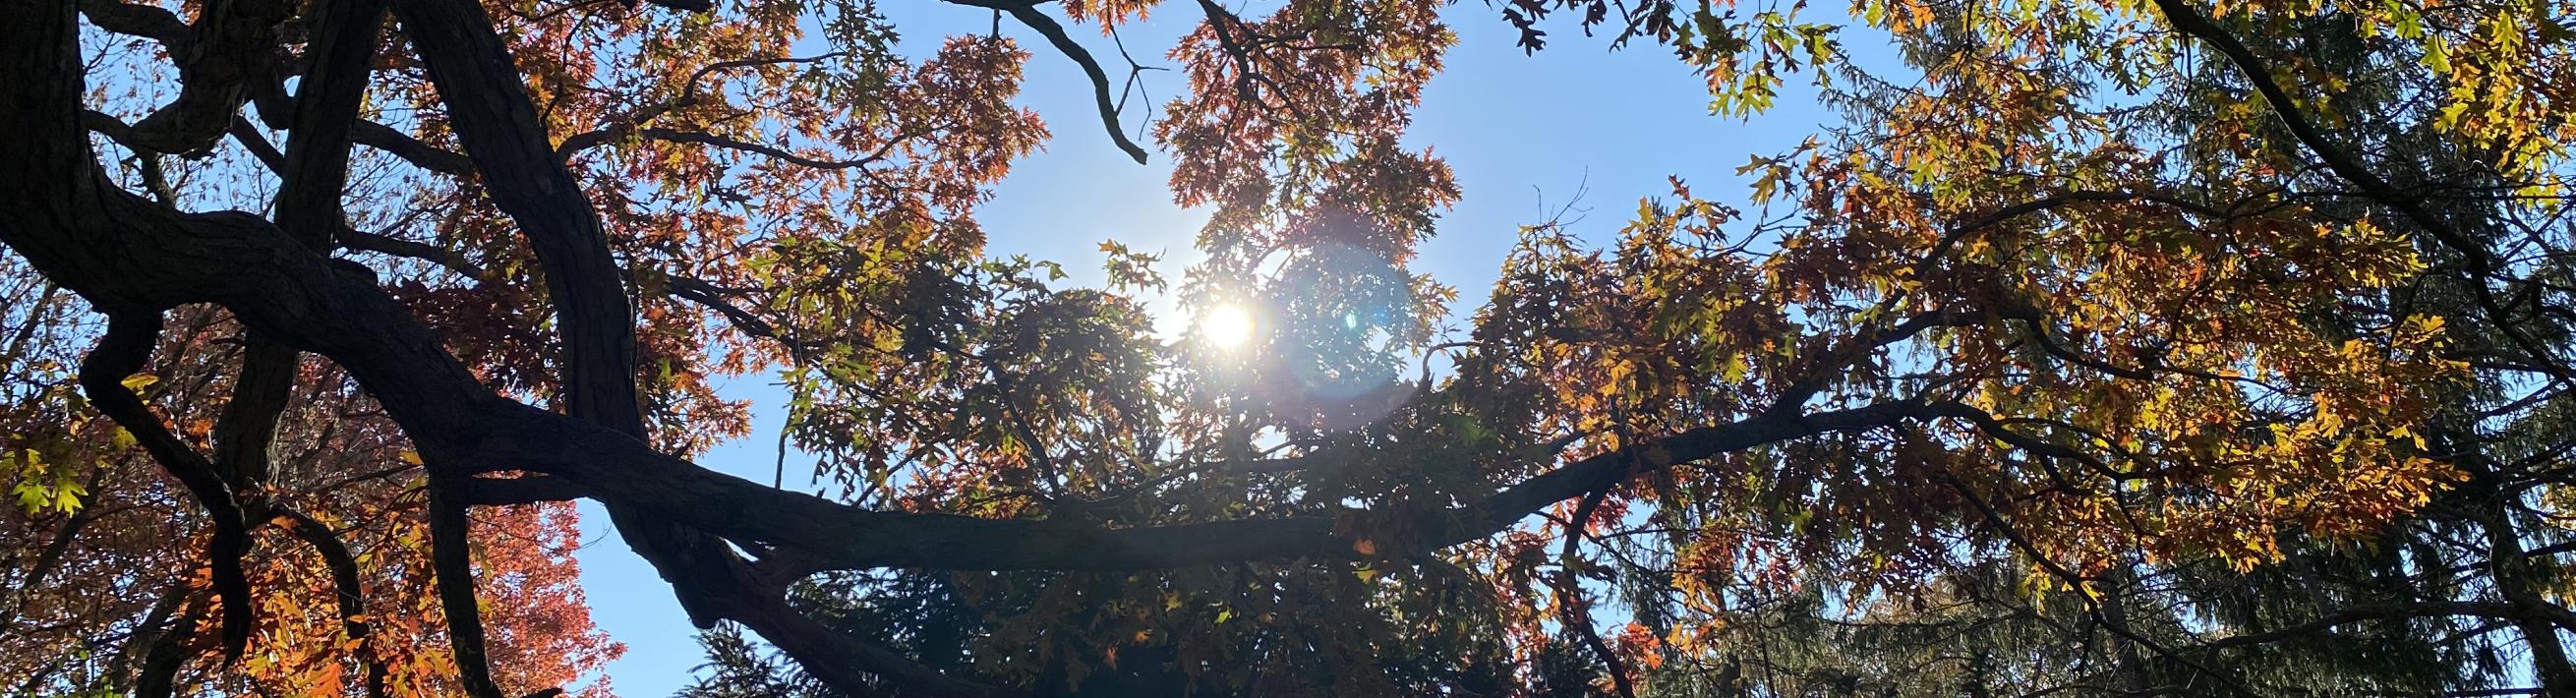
<point x="2096" y="348"/>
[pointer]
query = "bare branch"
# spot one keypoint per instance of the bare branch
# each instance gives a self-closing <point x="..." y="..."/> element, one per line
<point x="121" y="352"/>
<point x="1028" y="14"/>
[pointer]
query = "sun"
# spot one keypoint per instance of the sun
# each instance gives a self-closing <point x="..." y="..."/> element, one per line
<point x="1226" y="326"/>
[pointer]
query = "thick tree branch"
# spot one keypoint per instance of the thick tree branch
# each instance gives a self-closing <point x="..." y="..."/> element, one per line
<point x="451" y="555"/>
<point x="168" y="652"/>
<point x="494" y="491"/>
<point x="502" y="132"/>
<point x="2481" y="264"/>
<point x="506" y="139"/>
<point x="124" y="253"/>
<point x="122" y="351"/>
<point x="248" y="423"/>
<point x="339" y="62"/>
<point x="232" y="47"/>
<point x="147" y="21"/>
<point x="344" y="584"/>
<point x="411" y="150"/>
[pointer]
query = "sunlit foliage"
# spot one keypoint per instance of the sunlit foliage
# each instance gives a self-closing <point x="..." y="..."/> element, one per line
<point x="2096" y="348"/>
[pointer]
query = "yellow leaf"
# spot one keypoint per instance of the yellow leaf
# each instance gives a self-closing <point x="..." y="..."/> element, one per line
<point x="412" y="457"/>
<point x="139" y="381"/>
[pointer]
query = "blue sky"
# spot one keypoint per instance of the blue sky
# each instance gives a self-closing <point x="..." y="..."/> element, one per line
<point x="1524" y="135"/>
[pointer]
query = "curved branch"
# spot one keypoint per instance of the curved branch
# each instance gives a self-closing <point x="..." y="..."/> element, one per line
<point x="160" y="670"/>
<point x="344" y="582"/>
<point x="729" y="143"/>
<point x="355" y="239"/>
<point x="121" y="352"/>
<point x="147" y="21"/>
<point x="233" y="45"/>
<point x="2190" y="22"/>
<point x="502" y="133"/>
<point x="1028" y="14"/>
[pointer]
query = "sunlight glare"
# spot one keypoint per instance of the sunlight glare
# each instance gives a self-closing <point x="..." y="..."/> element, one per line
<point x="1226" y="326"/>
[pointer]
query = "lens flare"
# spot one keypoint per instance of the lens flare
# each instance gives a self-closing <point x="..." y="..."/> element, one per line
<point x="1226" y="326"/>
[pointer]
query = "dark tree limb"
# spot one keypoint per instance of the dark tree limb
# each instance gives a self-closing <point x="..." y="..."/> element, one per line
<point x="1577" y="615"/>
<point x="122" y="351"/>
<point x="314" y="170"/>
<point x="2480" y="261"/>
<point x="233" y="46"/>
<point x="503" y="135"/>
<point x="339" y="63"/>
<point x="491" y="491"/>
<point x="506" y="139"/>
<point x="147" y="21"/>
<point x="345" y="585"/>
<point x="248" y="423"/>
<point x="248" y="136"/>
<point x="160" y="670"/>
<point x="147" y="635"/>
<point x="1028" y="14"/>
<point x="451" y="555"/>
<point x="122" y="252"/>
<point x="501" y="131"/>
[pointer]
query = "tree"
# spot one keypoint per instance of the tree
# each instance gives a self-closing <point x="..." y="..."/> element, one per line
<point x="107" y="593"/>
<point x="2094" y="332"/>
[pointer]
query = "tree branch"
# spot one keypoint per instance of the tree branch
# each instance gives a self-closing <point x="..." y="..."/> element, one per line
<point x="344" y="582"/>
<point x="1028" y="14"/>
<point x="121" y="352"/>
<point x="2398" y="611"/>
<point x="495" y="491"/>
<point x="233" y="44"/>
<point x="2481" y="265"/>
